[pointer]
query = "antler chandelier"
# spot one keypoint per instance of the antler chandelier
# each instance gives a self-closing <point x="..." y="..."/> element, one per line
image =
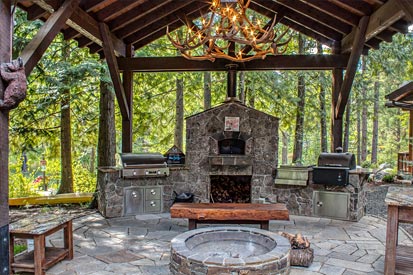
<point x="227" y="31"/>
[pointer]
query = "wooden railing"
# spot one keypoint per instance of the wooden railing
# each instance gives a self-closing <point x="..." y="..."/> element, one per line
<point x="403" y="165"/>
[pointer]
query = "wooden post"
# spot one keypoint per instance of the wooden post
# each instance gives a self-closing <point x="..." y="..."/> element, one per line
<point x="5" y="56"/>
<point x="127" y="122"/>
<point x="410" y="157"/>
<point x="232" y="80"/>
<point x="336" y="122"/>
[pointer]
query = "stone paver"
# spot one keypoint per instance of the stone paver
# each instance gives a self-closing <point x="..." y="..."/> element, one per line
<point x="141" y="245"/>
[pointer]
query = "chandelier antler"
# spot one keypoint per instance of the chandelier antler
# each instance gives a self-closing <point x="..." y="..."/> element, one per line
<point x="228" y="24"/>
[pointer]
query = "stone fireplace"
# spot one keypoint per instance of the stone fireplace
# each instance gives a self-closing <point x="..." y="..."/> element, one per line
<point x="231" y="147"/>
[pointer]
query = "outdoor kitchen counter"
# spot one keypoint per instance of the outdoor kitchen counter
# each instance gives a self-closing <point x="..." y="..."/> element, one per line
<point x="398" y="258"/>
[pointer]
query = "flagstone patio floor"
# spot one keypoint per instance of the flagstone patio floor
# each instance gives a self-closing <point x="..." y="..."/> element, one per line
<point x="141" y="244"/>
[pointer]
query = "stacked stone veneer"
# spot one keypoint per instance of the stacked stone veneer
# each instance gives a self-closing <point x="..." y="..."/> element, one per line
<point x="204" y="131"/>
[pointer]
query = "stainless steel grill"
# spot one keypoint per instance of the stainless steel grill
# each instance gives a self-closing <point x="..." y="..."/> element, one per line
<point x="333" y="168"/>
<point x="143" y="165"/>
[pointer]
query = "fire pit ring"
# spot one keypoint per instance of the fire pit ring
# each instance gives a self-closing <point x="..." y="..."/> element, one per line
<point x="230" y="250"/>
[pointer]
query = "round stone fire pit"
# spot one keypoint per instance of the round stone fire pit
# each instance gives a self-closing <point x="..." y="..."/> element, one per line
<point x="229" y="250"/>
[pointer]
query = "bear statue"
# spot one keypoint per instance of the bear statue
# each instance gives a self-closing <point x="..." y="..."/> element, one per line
<point x="14" y="76"/>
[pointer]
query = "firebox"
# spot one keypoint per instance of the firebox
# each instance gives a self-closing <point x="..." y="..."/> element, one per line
<point x="231" y="146"/>
<point x="230" y="189"/>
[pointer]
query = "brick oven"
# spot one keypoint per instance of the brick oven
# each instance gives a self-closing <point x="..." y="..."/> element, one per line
<point x="231" y="153"/>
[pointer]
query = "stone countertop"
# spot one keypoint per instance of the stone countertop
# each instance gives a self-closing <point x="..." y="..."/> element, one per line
<point x="362" y="171"/>
<point x="399" y="196"/>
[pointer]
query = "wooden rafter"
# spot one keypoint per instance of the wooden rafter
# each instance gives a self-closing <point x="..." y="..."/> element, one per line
<point x="317" y="15"/>
<point x="357" y="48"/>
<point x="33" y="52"/>
<point x="113" y="70"/>
<point x="407" y="7"/>
<point x="286" y="62"/>
<point x="331" y="9"/>
<point x="85" y="24"/>
<point x="384" y="17"/>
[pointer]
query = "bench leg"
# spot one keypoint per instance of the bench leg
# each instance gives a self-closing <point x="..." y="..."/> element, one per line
<point x="39" y="254"/>
<point x="191" y="224"/>
<point x="265" y="225"/>
<point x="11" y="253"/>
<point x="68" y="239"/>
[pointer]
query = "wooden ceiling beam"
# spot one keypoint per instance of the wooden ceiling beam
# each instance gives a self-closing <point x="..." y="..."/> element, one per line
<point x="271" y="62"/>
<point x="34" y="51"/>
<point x="357" y="48"/>
<point x="95" y="5"/>
<point x="299" y="18"/>
<point x="293" y="25"/>
<point x="384" y="17"/>
<point x="112" y="62"/>
<point x="135" y="14"/>
<point x="334" y="11"/>
<point x="316" y="15"/>
<point x="35" y="12"/>
<point x="407" y="7"/>
<point x="166" y="13"/>
<point x="86" y="25"/>
<point x="117" y="9"/>
<point x="158" y="29"/>
<point x="354" y="6"/>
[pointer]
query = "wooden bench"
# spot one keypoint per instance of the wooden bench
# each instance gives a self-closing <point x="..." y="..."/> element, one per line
<point x="42" y="257"/>
<point x="229" y="213"/>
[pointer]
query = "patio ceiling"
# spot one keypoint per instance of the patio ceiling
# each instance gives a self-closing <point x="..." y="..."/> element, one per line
<point x="139" y="22"/>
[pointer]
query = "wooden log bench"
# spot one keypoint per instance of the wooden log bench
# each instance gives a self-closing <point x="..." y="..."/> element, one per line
<point x="229" y="213"/>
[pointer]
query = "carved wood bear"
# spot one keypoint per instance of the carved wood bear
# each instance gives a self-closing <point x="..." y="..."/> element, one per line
<point x="13" y="74"/>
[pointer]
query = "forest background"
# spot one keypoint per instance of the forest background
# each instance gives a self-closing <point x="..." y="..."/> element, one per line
<point x="65" y="87"/>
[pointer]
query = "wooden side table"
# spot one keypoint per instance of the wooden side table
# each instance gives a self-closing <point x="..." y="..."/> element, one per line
<point x="398" y="258"/>
<point x="42" y="257"/>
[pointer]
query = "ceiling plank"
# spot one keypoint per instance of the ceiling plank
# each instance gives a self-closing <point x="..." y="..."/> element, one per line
<point x="317" y="15"/>
<point x="35" y="12"/>
<point x="114" y="70"/>
<point x="407" y="6"/>
<point x="357" y="48"/>
<point x="271" y="62"/>
<point x="299" y="18"/>
<point x="34" y="51"/>
<point x="354" y="6"/>
<point x="135" y="14"/>
<point x="388" y="14"/>
<point x="334" y="11"/>
<point x="116" y="9"/>
<point x="158" y="29"/>
<point x="86" y="25"/>
<point x="165" y="13"/>
<point x="293" y="25"/>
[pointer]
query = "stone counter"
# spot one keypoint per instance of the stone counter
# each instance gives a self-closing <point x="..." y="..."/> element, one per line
<point x="399" y="196"/>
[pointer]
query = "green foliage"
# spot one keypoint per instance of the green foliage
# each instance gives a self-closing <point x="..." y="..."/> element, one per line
<point x="389" y="178"/>
<point x="18" y="248"/>
<point x="22" y="184"/>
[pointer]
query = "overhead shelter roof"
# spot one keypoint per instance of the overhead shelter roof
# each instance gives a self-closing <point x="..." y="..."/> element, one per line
<point x="402" y="97"/>
<point x="140" y="22"/>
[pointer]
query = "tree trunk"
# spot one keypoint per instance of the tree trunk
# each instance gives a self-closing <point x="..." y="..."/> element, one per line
<point x="250" y="94"/>
<point x="374" y="142"/>
<point x="284" y="154"/>
<point x="66" y="181"/>
<point x="207" y="90"/>
<point x="364" y="117"/>
<point x="92" y="160"/>
<point x="358" y="137"/>
<point x="242" y="87"/>
<point x="398" y="135"/>
<point x="347" y="125"/>
<point x="323" y="111"/>
<point x="106" y="137"/>
<point x="299" y="126"/>
<point x="179" y="112"/>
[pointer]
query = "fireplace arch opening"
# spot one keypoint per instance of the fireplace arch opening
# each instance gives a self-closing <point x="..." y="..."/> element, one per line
<point x="232" y="146"/>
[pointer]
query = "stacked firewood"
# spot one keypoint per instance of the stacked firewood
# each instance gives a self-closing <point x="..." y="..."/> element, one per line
<point x="229" y="189"/>
<point x="301" y="254"/>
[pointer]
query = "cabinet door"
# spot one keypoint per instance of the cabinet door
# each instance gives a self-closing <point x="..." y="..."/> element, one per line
<point x="133" y="201"/>
<point x="331" y="204"/>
